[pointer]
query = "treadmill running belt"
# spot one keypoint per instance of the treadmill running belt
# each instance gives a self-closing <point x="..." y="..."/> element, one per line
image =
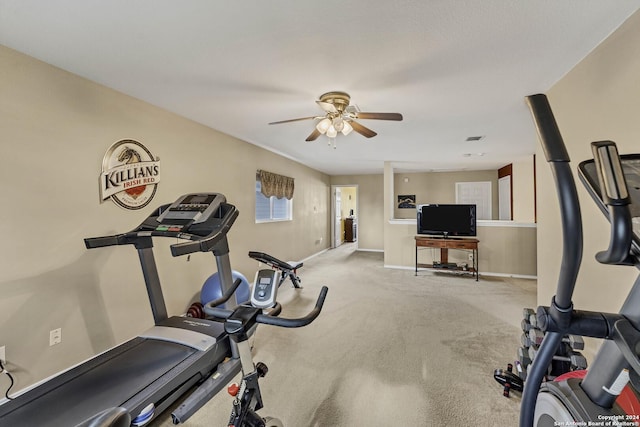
<point x="107" y="384"/>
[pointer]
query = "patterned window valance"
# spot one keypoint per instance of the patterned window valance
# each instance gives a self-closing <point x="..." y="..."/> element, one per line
<point x="273" y="184"/>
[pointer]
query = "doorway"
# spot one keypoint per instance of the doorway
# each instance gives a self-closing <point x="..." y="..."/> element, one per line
<point x="344" y="213"/>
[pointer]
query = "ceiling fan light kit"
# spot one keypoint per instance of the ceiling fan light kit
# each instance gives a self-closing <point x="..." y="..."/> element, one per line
<point x="340" y="117"/>
<point x="323" y="125"/>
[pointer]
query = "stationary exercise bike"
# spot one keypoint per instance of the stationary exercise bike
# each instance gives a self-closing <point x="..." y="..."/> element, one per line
<point x="605" y="394"/>
<point x="240" y="323"/>
<point x="213" y="289"/>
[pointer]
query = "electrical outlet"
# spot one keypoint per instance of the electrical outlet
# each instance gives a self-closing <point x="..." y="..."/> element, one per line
<point x="3" y="355"/>
<point x="55" y="336"/>
<point x="470" y="257"/>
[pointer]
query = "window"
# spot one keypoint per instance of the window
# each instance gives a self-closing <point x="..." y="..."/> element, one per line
<point x="271" y="208"/>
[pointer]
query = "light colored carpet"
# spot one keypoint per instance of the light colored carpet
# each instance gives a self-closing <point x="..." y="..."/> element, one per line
<point x="388" y="349"/>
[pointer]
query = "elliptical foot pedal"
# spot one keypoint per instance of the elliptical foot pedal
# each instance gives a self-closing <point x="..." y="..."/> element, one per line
<point x="508" y="380"/>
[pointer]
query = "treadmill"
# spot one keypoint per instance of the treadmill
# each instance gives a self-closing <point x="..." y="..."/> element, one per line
<point x="147" y="374"/>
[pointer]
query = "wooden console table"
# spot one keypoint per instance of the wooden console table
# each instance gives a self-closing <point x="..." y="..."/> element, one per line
<point x="444" y="244"/>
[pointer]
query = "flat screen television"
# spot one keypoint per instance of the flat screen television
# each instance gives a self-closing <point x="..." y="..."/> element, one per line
<point x="447" y="220"/>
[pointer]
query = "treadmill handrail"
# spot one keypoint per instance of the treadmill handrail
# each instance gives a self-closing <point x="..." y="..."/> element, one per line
<point x="196" y="243"/>
<point x="207" y="243"/>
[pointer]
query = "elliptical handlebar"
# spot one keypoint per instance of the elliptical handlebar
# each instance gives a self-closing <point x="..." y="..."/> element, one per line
<point x="558" y="159"/>
<point x="561" y="306"/>
<point x="614" y="194"/>
<point x="545" y="122"/>
<point x="269" y="319"/>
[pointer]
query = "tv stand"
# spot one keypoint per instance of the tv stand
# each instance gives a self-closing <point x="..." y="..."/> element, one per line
<point x="444" y="244"/>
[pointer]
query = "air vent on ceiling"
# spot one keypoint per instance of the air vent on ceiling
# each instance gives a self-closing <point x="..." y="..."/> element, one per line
<point x="474" y="138"/>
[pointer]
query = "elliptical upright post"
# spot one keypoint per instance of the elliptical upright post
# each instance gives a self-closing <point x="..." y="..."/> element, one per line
<point x="571" y="400"/>
<point x="558" y="159"/>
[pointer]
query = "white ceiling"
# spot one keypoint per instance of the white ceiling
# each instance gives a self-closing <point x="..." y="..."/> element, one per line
<point x="453" y="68"/>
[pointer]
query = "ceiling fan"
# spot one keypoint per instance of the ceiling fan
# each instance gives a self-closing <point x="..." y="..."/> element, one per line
<point x="340" y="117"/>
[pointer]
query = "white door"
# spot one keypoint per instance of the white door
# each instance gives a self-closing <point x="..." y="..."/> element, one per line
<point x="475" y="193"/>
<point x="337" y="218"/>
<point x="504" y="198"/>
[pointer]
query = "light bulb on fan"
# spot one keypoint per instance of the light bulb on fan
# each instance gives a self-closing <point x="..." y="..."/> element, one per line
<point x="323" y="125"/>
<point x="338" y="124"/>
<point x="346" y="130"/>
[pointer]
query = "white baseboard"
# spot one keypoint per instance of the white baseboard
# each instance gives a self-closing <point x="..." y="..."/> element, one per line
<point x="482" y="273"/>
<point x="401" y="267"/>
<point x="314" y="255"/>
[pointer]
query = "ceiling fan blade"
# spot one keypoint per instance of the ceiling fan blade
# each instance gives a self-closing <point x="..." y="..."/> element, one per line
<point x="314" y="135"/>
<point x="327" y="106"/>
<point x="380" y="116"/>
<point x="293" y="120"/>
<point x="362" y="130"/>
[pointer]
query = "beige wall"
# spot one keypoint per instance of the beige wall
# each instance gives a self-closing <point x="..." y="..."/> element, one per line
<point x="348" y="202"/>
<point x="439" y="187"/>
<point x="598" y="99"/>
<point x="504" y="249"/>
<point x="56" y="128"/>
<point x="523" y="189"/>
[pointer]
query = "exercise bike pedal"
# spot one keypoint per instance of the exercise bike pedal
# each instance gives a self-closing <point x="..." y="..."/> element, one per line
<point x="233" y="389"/>
<point x="272" y="422"/>
<point x="262" y="369"/>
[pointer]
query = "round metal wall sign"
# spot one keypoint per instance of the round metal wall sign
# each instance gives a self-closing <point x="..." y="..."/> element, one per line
<point x="130" y="175"/>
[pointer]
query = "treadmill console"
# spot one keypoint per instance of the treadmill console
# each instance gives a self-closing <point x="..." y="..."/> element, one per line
<point x="193" y="208"/>
<point x="265" y="288"/>
<point x="203" y="219"/>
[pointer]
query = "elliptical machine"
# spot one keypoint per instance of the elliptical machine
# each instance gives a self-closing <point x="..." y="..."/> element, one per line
<point x="576" y="401"/>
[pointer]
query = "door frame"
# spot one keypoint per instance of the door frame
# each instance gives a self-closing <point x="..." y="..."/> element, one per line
<point x="333" y="212"/>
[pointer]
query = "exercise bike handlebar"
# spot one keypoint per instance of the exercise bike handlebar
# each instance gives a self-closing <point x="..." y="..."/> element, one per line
<point x="299" y="322"/>
<point x="268" y="319"/>
<point x="226" y="295"/>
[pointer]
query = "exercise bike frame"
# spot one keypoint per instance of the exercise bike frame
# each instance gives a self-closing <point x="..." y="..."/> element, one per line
<point x="239" y="323"/>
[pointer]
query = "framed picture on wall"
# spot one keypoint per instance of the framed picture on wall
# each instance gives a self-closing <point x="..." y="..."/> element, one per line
<point x="407" y="201"/>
